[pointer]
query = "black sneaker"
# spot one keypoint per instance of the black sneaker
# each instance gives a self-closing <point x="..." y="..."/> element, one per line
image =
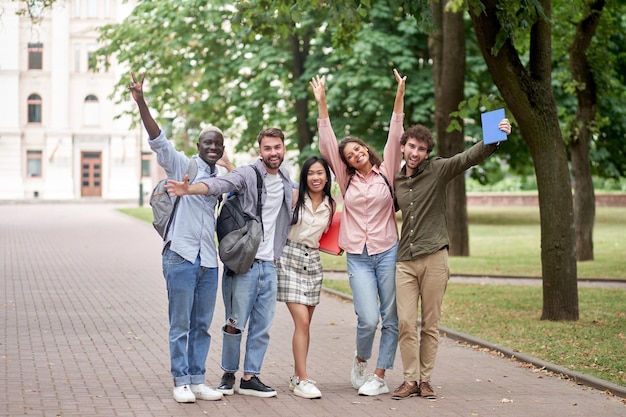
<point x="226" y="386"/>
<point x="256" y="388"/>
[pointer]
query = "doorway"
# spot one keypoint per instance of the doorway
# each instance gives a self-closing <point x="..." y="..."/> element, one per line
<point x="91" y="174"/>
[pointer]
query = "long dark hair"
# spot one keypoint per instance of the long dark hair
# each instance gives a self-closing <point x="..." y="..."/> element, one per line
<point x="374" y="158"/>
<point x="304" y="188"/>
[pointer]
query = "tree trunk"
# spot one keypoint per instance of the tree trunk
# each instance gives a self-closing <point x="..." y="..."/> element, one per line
<point x="528" y="93"/>
<point x="299" y="53"/>
<point x="584" y="196"/>
<point x="447" y="48"/>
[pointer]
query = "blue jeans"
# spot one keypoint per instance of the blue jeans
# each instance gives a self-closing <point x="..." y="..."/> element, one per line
<point x="373" y="284"/>
<point x="191" y="293"/>
<point x="248" y="298"/>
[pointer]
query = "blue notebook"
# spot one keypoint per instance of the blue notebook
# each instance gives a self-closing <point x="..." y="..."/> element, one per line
<point x="490" y="121"/>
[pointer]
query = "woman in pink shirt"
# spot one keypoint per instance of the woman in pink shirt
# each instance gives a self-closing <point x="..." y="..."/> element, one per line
<point x="368" y="234"/>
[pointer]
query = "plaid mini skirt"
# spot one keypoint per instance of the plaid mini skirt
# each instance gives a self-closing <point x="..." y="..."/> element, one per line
<point x="300" y="274"/>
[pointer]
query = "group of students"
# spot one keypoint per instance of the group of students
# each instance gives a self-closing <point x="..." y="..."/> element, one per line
<point x="287" y="266"/>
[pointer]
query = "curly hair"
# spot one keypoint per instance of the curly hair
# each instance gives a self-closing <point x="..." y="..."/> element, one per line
<point x="374" y="158"/>
<point x="421" y="133"/>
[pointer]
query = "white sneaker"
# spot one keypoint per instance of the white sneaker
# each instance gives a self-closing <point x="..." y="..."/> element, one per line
<point x="375" y="385"/>
<point x="293" y="382"/>
<point x="358" y="375"/>
<point x="307" y="389"/>
<point x="204" y="392"/>
<point x="183" y="394"/>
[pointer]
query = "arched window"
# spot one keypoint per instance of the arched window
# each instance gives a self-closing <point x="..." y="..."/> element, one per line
<point x="91" y="112"/>
<point x="34" y="108"/>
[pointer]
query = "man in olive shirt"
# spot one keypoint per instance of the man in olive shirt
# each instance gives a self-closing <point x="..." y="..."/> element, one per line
<point x="422" y="268"/>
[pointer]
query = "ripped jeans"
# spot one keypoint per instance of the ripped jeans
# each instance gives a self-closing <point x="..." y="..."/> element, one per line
<point x="249" y="298"/>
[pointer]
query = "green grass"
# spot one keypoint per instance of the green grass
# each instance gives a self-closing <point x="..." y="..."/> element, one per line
<point x="506" y="241"/>
<point x="142" y="213"/>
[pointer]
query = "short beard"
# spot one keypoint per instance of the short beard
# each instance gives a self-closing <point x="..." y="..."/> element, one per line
<point x="268" y="164"/>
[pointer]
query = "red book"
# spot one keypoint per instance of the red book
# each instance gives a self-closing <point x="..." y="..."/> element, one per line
<point x="329" y="242"/>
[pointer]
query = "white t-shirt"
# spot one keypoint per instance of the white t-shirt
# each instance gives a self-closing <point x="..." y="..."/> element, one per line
<point x="273" y="201"/>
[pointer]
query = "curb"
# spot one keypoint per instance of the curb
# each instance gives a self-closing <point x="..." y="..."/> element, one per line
<point x="575" y="376"/>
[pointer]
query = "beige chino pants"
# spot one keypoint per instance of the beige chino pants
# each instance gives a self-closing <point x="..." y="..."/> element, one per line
<point x="424" y="281"/>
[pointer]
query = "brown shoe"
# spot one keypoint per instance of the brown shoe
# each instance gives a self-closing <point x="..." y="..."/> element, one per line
<point x="406" y="390"/>
<point x="426" y="390"/>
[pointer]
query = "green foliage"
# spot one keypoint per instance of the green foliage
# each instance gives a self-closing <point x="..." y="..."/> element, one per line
<point x="361" y="87"/>
<point x="606" y="57"/>
<point x="176" y="44"/>
<point x="242" y="66"/>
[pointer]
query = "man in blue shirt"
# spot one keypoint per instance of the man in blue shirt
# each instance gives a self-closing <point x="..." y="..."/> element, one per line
<point x="190" y="265"/>
<point x="250" y="297"/>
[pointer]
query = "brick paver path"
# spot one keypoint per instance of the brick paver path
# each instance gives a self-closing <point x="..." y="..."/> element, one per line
<point x="83" y="319"/>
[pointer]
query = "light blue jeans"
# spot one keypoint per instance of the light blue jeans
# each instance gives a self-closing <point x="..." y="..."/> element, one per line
<point x="191" y="293"/>
<point x="373" y="284"/>
<point x="249" y="298"/>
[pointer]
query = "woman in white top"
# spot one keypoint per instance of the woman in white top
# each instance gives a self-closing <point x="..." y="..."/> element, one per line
<point x="299" y="269"/>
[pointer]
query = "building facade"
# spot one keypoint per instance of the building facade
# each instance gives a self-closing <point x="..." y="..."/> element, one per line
<point x="59" y="136"/>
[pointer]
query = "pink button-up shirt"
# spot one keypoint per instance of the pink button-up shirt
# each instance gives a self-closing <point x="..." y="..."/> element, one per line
<point x="368" y="217"/>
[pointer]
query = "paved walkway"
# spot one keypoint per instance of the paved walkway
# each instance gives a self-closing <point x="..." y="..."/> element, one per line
<point x="83" y="332"/>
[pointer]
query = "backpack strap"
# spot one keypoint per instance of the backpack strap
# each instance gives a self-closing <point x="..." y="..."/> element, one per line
<point x="259" y="188"/>
<point x="393" y="196"/>
<point x="192" y="172"/>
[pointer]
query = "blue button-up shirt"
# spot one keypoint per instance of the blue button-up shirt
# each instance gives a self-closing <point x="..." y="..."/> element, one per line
<point x="192" y="233"/>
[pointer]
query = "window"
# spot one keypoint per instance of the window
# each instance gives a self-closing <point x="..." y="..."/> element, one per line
<point x="34" y="108"/>
<point x="35" y="56"/>
<point x="76" y="57"/>
<point x="146" y="157"/>
<point x="77" y="8"/>
<point x="33" y="163"/>
<point x="92" y="8"/>
<point x="91" y="114"/>
<point x="92" y="61"/>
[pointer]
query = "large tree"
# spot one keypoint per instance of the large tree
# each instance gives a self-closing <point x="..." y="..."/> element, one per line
<point x="587" y="46"/>
<point x="527" y="89"/>
<point x="447" y="48"/>
<point x="587" y="98"/>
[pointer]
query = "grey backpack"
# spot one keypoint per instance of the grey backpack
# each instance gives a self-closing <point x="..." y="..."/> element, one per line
<point x="163" y="209"/>
<point x="238" y="234"/>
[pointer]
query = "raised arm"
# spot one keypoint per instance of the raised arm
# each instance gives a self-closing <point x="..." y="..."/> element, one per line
<point x="180" y="188"/>
<point x="319" y="90"/>
<point x="329" y="149"/>
<point x="136" y="90"/>
<point x="398" y="105"/>
<point x="392" y="157"/>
